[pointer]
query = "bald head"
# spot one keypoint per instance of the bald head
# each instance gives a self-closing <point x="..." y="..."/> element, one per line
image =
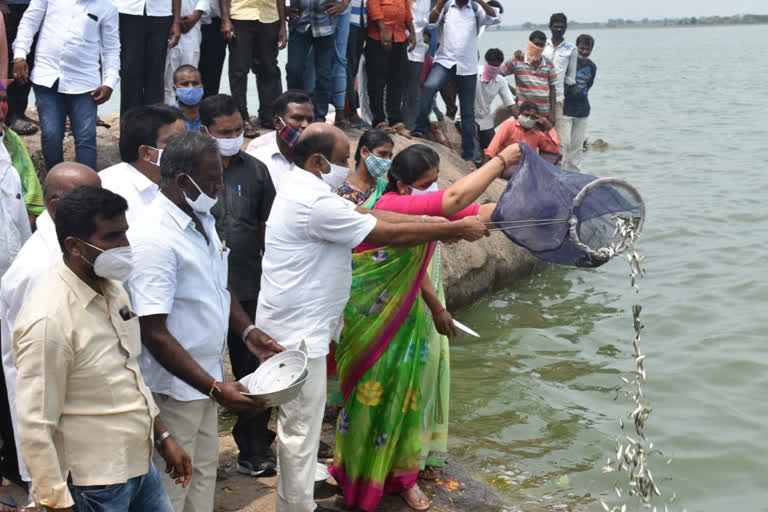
<point x="319" y="146"/>
<point x="64" y="177"/>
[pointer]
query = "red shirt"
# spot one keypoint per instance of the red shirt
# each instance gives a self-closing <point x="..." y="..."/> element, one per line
<point x="511" y="132"/>
<point x="396" y="15"/>
<point x="429" y="204"/>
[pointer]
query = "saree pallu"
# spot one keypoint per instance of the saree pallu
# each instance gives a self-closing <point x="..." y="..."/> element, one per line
<point x="435" y="383"/>
<point x="380" y="359"/>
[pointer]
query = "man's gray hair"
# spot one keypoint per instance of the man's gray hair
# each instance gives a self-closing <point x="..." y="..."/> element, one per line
<point x="183" y="153"/>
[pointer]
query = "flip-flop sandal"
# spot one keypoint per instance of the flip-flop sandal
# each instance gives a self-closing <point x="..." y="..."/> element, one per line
<point x="250" y="132"/>
<point x="10" y="501"/>
<point x="99" y="122"/>
<point x="23" y="127"/>
<point x="415" y="505"/>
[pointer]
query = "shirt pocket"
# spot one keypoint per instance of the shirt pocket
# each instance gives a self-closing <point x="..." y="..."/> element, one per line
<point x="89" y="28"/>
<point x="242" y="204"/>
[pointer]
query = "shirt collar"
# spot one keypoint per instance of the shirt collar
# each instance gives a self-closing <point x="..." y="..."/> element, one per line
<point x="308" y="178"/>
<point x="84" y="293"/>
<point x="177" y="214"/>
<point x="137" y="179"/>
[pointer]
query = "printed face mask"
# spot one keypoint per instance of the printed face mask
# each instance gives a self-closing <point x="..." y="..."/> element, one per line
<point x="429" y="190"/>
<point x="115" y="264"/>
<point x="527" y="122"/>
<point x="203" y="203"/>
<point x="288" y="134"/>
<point x="190" y="96"/>
<point x="377" y="166"/>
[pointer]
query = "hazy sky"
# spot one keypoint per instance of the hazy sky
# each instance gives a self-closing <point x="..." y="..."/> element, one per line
<point x="537" y="11"/>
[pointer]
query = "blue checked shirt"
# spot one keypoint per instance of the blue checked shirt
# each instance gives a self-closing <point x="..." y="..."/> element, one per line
<point x="312" y="17"/>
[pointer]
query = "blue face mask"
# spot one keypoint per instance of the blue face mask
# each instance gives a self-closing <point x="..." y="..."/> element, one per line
<point x="377" y="166"/>
<point x="190" y="96"/>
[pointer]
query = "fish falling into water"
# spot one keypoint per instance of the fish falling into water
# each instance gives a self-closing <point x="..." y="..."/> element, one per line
<point x="632" y="454"/>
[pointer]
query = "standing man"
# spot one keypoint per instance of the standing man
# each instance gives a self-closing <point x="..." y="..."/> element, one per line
<point x="576" y="109"/>
<point x="306" y="283"/>
<point x="562" y="55"/>
<point x="144" y="132"/>
<point x="18" y="93"/>
<point x="147" y="29"/>
<point x="259" y="34"/>
<point x="241" y="219"/>
<point x="216" y="31"/>
<point x="37" y="256"/>
<point x="292" y="114"/>
<point x="358" y="20"/>
<point x="179" y="291"/>
<point x="535" y="76"/>
<point x="187" y="52"/>
<point x="311" y="28"/>
<point x="420" y="10"/>
<point x="68" y="79"/>
<point x="76" y="350"/>
<point x="457" y="58"/>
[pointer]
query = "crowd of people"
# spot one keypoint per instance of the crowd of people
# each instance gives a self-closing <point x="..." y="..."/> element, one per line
<point x="122" y="289"/>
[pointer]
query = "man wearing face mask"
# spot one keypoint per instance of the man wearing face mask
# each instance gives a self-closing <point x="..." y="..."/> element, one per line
<point x="563" y="56"/>
<point x="293" y="112"/>
<point x="187" y="52"/>
<point x="490" y="86"/>
<point x="241" y="217"/>
<point x="144" y="132"/>
<point x="535" y="76"/>
<point x="179" y="291"/>
<point x="188" y="91"/>
<point x="34" y="260"/>
<point x="306" y="282"/>
<point x="76" y="346"/>
<point x="535" y="131"/>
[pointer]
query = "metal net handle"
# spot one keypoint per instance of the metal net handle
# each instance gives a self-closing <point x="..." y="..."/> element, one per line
<point x="573" y="221"/>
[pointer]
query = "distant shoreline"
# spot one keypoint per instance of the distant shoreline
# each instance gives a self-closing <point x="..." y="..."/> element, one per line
<point x="574" y="28"/>
<point x="706" y="21"/>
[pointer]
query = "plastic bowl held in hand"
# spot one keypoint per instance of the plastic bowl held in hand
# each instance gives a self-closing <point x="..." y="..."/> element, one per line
<point x="279" y="379"/>
<point x="279" y="397"/>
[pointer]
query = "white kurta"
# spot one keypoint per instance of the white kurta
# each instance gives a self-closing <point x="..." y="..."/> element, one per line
<point x="188" y="49"/>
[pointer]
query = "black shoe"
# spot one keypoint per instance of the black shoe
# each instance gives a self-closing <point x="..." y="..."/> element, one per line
<point x="258" y="465"/>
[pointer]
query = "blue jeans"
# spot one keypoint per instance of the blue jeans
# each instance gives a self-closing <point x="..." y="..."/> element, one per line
<point x="438" y="77"/>
<point x="140" y="494"/>
<point x="53" y="108"/>
<point x="299" y="45"/>
<point x="339" y="69"/>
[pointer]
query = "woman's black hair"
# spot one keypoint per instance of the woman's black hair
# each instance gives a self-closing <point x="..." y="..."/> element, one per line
<point x="410" y="164"/>
<point x="372" y="139"/>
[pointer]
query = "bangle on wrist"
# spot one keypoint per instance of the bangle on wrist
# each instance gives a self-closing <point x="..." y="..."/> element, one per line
<point x="247" y="331"/>
<point x="214" y="387"/>
<point x="162" y="437"/>
<point x="503" y="160"/>
<point x="423" y="219"/>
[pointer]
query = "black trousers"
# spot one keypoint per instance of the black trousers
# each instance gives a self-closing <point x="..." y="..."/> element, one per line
<point x="250" y="432"/>
<point x="9" y="463"/>
<point x="412" y="93"/>
<point x="254" y="48"/>
<point x="143" y="48"/>
<point x="213" y="49"/>
<point x="18" y="95"/>
<point x="355" y="44"/>
<point x="385" y="69"/>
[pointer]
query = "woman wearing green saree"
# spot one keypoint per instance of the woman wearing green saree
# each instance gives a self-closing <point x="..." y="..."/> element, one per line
<point x="384" y="351"/>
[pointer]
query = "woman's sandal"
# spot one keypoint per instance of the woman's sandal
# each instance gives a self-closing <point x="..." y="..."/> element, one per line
<point x="415" y="498"/>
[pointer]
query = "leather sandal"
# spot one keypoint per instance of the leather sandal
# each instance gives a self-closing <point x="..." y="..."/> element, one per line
<point x="416" y="499"/>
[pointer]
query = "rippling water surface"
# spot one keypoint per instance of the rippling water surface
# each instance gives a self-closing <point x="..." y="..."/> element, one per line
<point x="533" y="408"/>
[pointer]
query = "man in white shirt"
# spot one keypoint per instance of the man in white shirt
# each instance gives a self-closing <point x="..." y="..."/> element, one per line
<point x="563" y="56"/>
<point x="179" y="291"/>
<point x="144" y="131"/>
<point x="147" y="29"/>
<point x="305" y="285"/>
<point x="188" y="49"/>
<point x="292" y="113"/>
<point x="77" y="66"/>
<point x="457" y="58"/>
<point x="490" y="85"/>
<point x="35" y="258"/>
<point x="420" y="11"/>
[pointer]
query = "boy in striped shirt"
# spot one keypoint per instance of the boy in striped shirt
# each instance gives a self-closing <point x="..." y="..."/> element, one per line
<point x="535" y="76"/>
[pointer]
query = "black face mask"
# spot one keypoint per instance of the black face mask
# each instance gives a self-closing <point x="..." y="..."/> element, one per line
<point x="558" y="34"/>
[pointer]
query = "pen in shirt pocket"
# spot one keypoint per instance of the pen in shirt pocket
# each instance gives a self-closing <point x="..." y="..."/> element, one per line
<point x="239" y="191"/>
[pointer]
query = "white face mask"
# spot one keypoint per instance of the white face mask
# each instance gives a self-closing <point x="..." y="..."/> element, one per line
<point x="337" y="170"/>
<point x="115" y="264"/>
<point x="527" y="122"/>
<point x="203" y="203"/>
<point x="159" y="155"/>
<point x="230" y="147"/>
<point x="430" y="189"/>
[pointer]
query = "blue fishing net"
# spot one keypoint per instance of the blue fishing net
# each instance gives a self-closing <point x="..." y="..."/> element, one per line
<point x="566" y="217"/>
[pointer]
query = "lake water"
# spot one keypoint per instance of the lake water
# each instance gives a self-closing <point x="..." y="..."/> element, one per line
<point x="532" y="402"/>
<point x="533" y="411"/>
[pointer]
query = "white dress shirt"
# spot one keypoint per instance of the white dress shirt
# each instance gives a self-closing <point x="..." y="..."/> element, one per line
<point x="14" y="221"/>
<point x="138" y="190"/>
<point x="72" y="35"/>
<point x="420" y="10"/>
<point x="176" y="273"/>
<point x="279" y="167"/>
<point x="152" y="7"/>
<point x="34" y="260"/>
<point x="564" y="58"/>
<point x="485" y="94"/>
<point x="307" y="266"/>
<point x="458" y="43"/>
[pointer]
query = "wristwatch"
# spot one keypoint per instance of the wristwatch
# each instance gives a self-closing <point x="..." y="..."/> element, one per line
<point x="247" y="331"/>
<point x="159" y="441"/>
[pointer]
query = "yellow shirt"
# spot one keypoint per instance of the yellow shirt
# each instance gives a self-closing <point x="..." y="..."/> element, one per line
<point x="264" y="11"/>
<point x="83" y="407"/>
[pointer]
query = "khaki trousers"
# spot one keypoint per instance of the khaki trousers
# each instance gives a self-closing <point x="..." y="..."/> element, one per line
<point x="574" y="132"/>
<point x="194" y="425"/>
<point x="298" y="438"/>
<point x="559" y="127"/>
